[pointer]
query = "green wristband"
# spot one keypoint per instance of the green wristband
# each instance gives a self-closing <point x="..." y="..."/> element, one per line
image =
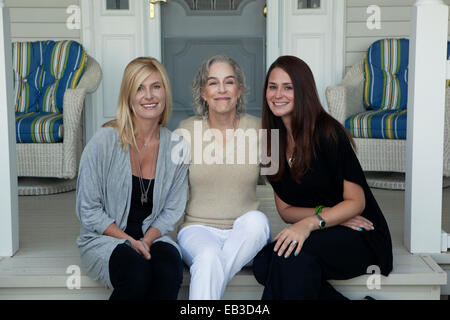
<point x="318" y="209"/>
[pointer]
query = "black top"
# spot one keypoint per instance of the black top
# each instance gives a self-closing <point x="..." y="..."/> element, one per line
<point x="323" y="185"/>
<point x="139" y="212"/>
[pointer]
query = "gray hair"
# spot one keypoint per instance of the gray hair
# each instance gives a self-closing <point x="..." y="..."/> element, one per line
<point x="200" y="106"/>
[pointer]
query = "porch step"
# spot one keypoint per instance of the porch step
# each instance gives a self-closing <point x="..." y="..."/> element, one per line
<point x="49" y="229"/>
<point x="413" y="277"/>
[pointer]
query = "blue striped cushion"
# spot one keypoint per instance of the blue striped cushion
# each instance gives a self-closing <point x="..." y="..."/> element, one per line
<point x="386" y="75"/>
<point x="447" y="82"/>
<point x="64" y="63"/>
<point x="39" y="127"/>
<point x="380" y="124"/>
<point x="43" y="70"/>
<point x="27" y="67"/>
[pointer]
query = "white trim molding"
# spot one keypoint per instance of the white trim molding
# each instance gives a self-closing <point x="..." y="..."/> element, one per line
<point x="273" y="34"/>
<point x="425" y="126"/>
<point x="445" y="241"/>
<point x="9" y="207"/>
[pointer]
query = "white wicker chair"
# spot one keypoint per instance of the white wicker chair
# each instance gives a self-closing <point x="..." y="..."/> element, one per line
<point x="60" y="160"/>
<point x="389" y="155"/>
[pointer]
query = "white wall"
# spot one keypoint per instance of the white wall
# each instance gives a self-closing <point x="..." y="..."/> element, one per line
<point x="46" y="19"/>
<point x="394" y="23"/>
<point x="33" y="20"/>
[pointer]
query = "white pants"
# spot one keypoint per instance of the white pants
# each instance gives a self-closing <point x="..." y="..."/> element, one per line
<point x="215" y="255"/>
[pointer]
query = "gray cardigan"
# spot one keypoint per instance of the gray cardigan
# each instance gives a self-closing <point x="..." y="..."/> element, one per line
<point x="104" y="194"/>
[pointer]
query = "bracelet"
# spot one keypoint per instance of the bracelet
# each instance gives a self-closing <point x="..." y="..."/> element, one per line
<point x="318" y="209"/>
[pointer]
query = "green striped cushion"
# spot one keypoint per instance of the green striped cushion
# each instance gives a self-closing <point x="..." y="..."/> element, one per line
<point x="27" y="70"/>
<point x="386" y="75"/>
<point x="39" y="127"/>
<point x="64" y="63"/>
<point x="43" y="70"/>
<point x="378" y="124"/>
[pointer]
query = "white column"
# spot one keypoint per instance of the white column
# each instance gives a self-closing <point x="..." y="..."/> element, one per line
<point x="9" y="220"/>
<point x="425" y="135"/>
<point x="273" y="34"/>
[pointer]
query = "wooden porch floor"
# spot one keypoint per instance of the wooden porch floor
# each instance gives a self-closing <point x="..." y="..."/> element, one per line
<point x="49" y="227"/>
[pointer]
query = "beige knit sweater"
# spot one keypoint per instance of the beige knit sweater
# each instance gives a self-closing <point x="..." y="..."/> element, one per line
<point x="219" y="193"/>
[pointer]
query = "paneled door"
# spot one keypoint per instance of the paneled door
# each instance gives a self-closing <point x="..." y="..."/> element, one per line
<point x="115" y="32"/>
<point x="194" y="30"/>
<point x="313" y="30"/>
<point x="182" y="33"/>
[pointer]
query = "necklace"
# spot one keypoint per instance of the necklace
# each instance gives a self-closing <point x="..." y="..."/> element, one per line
<point x="146" y="143"/>
<point x="144" y="191"/>
<point x="292" y="158"/>
<point x="290" y="142"/>
<point x="235" y="125"/>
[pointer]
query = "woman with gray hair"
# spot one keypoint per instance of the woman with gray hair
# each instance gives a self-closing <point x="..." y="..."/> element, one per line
<point x="222" y="229"/>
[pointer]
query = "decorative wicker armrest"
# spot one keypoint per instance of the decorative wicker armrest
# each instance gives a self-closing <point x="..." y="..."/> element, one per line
<point x="346" y="98"/>
<point x="91" y="77"/>
<point x="73" y="107"/>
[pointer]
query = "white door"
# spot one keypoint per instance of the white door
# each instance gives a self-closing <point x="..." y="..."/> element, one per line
<point x="313" y="30"/>
<point x="193" y="31"/>
<point x="116" y="31"/>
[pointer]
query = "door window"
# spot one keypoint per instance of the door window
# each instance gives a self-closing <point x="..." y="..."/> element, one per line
<point x="308" y="4"/>
<point x="117" y="5"/>
<point x="212" y="5"/>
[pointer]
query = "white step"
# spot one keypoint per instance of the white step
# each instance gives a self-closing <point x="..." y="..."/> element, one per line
<point x="414" y="277"/>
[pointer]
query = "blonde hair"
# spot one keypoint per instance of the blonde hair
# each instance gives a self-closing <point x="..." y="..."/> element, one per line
<point x="135" y="73"/>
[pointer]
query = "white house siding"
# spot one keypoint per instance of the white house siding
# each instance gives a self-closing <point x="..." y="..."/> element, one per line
<point x="395" y="23"/>
<point x="33" y="20"/>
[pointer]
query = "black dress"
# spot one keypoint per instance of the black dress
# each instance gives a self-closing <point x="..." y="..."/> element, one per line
<point x="338" y="252"/>
<point x="135" y="278"/>
<point x="138" y="211"/>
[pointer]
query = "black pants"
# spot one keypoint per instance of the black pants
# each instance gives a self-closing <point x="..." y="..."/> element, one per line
<point x="135" y="278"/>
<point x="337" y="253"/>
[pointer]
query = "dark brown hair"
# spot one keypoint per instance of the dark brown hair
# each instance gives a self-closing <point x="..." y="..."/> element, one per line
<point x="309" y="119"/>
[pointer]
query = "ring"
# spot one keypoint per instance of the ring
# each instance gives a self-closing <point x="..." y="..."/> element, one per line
<point x="294" y="241"/>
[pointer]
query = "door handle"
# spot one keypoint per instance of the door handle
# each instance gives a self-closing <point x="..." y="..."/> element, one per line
<point x="152" y="7"/>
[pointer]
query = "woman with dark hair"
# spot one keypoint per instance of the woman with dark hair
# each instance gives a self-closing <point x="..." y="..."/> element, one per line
<point x="337" y="229"/>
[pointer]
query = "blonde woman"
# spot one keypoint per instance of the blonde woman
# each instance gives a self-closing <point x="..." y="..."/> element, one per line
<point x="130" y="193"/>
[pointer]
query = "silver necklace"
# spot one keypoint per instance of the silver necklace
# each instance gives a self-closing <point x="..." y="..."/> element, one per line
<point x="292" y="158"/>
<point x="144" y="191"/>
<point x="234" y="124"/>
